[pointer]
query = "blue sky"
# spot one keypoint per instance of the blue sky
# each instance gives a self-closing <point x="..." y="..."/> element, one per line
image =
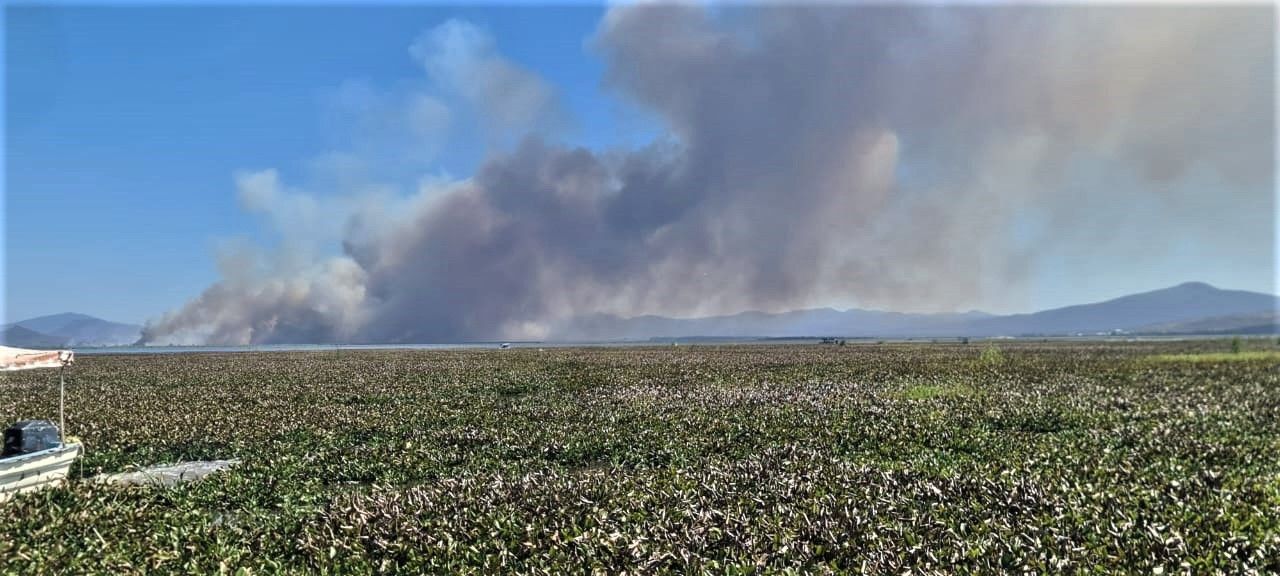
<point x="131" y="122"/>
<point x="126" y="129"/>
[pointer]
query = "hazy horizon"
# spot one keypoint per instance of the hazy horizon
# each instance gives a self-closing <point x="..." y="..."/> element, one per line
<point x="838" y="309"/>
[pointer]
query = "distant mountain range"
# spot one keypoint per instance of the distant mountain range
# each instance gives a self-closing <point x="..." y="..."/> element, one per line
<point x="1193" y="307"/>
<point x="68" y="330"/>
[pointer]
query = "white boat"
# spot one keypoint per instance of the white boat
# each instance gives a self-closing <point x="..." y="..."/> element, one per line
<point x="36" y="454"/>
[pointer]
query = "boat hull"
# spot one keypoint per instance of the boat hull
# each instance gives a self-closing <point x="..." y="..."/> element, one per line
<point x="42" y="469"/>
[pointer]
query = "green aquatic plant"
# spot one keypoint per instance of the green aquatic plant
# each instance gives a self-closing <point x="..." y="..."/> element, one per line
<point x="1042" y="457"/>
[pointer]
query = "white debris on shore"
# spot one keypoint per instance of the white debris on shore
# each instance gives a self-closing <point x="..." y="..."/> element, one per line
<point x="169" y="474"/>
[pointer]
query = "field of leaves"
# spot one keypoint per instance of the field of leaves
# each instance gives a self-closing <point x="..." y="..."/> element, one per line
<point x="926" y="458"/>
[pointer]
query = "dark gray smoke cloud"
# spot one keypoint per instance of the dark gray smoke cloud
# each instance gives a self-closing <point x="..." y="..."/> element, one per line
<point x="910" y="157"/>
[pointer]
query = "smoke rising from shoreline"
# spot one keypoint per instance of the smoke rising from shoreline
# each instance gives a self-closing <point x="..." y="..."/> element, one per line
<point x="908" y="157"/>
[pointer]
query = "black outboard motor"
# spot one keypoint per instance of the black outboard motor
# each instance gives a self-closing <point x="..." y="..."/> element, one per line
<point x="30" y="436"/>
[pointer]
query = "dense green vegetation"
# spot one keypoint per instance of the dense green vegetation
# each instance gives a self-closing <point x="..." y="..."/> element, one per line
<point x="1218" y="357"/>
<point x="930" y="458"/>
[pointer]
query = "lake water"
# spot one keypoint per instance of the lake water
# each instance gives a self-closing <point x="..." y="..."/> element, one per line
<point x="660" y="342"/>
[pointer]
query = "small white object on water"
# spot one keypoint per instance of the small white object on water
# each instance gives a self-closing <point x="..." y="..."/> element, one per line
<point x="169" y="475"/>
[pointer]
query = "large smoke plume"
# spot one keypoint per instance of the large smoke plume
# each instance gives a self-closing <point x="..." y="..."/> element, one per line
<point x="911" y="157"/>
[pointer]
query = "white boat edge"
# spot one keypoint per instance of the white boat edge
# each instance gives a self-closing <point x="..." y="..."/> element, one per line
<point x="28" y="472"/>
